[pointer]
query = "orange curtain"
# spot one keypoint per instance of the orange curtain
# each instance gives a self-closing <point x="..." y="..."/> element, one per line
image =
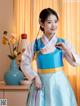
<point x="26" y="14"/>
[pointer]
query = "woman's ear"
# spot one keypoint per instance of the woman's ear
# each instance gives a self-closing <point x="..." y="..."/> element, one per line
<point x="41" y="24"/>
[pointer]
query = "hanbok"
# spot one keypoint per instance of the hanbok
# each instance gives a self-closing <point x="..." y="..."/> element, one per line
<point x="56" y="89"/>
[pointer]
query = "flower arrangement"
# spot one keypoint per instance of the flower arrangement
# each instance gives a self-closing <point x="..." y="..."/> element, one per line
<point x="12" y="43"/>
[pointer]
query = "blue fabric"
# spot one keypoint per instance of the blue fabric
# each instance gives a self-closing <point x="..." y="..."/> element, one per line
<point x="51" y="60"/>
<point x="60" y="40"/>
<point x="56" y="89"/>
<point x="38" y="45"/>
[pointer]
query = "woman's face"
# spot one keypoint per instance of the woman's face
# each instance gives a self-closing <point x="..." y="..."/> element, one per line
<point x="50" y="25"/>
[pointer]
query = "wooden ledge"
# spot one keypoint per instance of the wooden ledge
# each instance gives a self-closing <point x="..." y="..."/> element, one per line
<point x="3" y="86"/>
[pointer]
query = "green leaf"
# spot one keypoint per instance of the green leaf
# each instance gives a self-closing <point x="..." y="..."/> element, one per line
<point x="5" y="32"/>
<point x="14" y="48"/>
<point x="12" y="57"/>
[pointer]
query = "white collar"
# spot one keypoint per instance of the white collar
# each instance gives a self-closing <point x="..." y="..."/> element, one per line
<point x="49" y="45"/>
<point x="54" y="39"/>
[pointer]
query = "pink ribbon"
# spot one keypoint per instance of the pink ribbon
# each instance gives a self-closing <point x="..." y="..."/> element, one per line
<point x="35" y="98"/>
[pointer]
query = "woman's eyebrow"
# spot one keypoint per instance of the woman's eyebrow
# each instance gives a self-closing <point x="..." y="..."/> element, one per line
<point x="51" y="20"/>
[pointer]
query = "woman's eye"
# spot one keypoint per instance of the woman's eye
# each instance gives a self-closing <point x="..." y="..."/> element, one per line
<point x="49" y="22"/>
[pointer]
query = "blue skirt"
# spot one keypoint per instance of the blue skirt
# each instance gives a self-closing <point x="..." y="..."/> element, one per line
<point x="56" y="91"/>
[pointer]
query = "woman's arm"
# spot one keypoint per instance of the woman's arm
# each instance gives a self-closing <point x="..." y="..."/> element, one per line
<point x="26" y="66"/>
<point x="69" y="53"/>
<point x="26" y="60"/>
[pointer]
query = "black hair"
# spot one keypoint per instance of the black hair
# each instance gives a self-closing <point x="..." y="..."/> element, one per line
<point x="45" y="13"/>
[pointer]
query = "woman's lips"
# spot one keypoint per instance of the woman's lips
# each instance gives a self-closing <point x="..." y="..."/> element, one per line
<point x="53" y="29"/>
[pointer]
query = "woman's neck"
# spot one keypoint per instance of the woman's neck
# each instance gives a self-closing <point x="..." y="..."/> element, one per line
<point x="49" y="36"/>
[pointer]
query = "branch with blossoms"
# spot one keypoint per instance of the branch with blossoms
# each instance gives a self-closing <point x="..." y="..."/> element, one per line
<point x="12" y="44"/>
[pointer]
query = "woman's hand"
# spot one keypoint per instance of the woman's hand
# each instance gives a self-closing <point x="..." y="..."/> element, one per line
<point x="61" y="45"/>
<point x="37" y="82"/>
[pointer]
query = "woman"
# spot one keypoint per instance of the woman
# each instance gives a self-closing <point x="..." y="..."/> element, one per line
<point x="50" y="86"/>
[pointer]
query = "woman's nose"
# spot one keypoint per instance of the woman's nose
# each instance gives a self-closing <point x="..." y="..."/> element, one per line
<point x="53" y="25"/>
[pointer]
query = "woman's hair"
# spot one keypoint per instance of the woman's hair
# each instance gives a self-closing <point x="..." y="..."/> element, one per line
<point x="44" y="15"/>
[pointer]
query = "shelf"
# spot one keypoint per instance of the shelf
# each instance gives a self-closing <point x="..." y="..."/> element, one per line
<point x="3" y="86"/>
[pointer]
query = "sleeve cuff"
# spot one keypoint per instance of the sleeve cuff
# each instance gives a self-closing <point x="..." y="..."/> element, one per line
<point x="77" y="58"/>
